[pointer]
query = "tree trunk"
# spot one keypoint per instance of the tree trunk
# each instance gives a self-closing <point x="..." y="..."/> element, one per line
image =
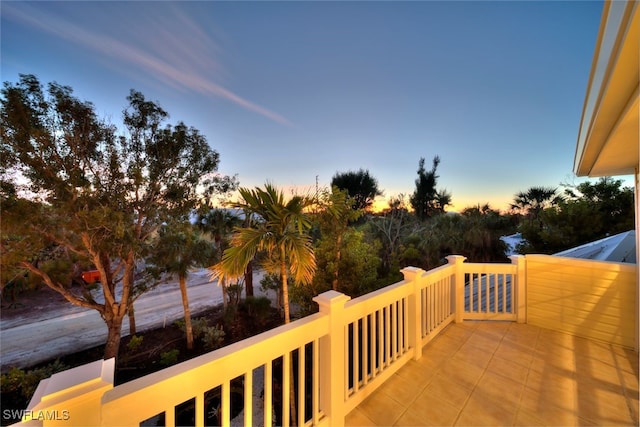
<point x="132" y="319"/>
<point x="130" y="311"/>
<point x="223" y="284"/>
<point x="334" y="283"/>
<point x="248" y="279"/>
<point x="114" y="325"/>
<point x="187" y="312"/>
<point x="287" y="319"/>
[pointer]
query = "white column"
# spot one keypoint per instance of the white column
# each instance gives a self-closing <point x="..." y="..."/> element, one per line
<point x="519" y="288"/>
<point x="332" y="358"/>
<point x="456" y="261"/>
<point x="72" y="397"/>
<point x="412" y="275"/>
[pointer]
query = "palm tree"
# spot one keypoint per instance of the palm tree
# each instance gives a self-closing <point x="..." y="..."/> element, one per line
<point x="219" y="224"/>
<point x="535" y="200"/>
<point x="280" y="232"/>
<point x="179" y="249"/>
<point x="334" y="219"/>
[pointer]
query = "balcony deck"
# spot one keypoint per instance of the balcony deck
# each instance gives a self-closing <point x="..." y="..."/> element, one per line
<point x="503" y="373"/>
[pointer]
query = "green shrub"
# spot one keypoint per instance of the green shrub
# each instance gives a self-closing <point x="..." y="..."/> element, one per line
<point x="197" y="326"/>
<point x="24" y="382"/>
<point x="213" y="337"/>
<point x="134" y="343"/>
<point x="258" y="308"/>
<point x="170" y="357"/>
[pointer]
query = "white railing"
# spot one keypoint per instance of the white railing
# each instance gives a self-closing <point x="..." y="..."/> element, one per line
<point x="333" y="359"/>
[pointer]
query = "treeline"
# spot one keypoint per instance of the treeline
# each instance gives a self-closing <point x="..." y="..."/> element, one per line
<point x="136" y="204"/>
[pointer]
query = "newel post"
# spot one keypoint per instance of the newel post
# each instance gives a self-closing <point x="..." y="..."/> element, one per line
<point x="412" y="276"/>
<point x="332" y="357"/>
<point x="520" y="287"/>
<point x="72" y="397"/>
<point x="458" y="277"/>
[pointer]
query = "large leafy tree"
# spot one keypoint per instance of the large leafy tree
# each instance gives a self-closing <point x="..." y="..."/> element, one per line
<point x="361" y="186"/>
<point x="99" y="195"/>
<point x="280" y="232"/>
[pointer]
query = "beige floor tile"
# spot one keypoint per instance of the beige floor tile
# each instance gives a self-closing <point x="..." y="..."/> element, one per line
<point x="627" y="360"/>
<point x="473" y="355"/>
<point x="553" y="362"/>
<point x="525" y="418"/>
<point x="508" y="368"/>
<point x="445" y="344"/>
<point x="595" y="370"/>
<point x="499" y="388"/>
<point x="523" y="334"/>
<point x="404" y="388"/>
<point x="381" y="409"/>
<point x="515" y="352"/>
<point x="604" y="406"/>
<point x="432" y="358"/>
<point x="465" y="374"/>
<point x="460" y="331"/>
<point x="554" y="387"/>
<point x="432" y="412"/>
<point x="556" y="410"/>
<point x="480" y="410"/>
<point x="357" y="418"/>
<point x="445" y="389"/>
<point x="533" y="400"/>
<point x="484" y="341"/>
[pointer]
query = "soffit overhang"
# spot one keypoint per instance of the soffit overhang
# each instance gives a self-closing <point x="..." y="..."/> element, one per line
<point x="608" y="137"/>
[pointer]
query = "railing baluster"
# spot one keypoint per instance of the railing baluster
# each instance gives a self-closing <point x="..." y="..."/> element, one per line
<point x="225" y="406"/>
<point x="365" y="350"/>
<point x="301" y="384"/>
<point x="199" y="410"/>
<point x="170" y="417"/>
<point x="248" y="398"/>
<point x="379" y="341"/>
<point x="356" y="357"/>
<point x="268" y="393"/>
<point x="346" y="360"/>
<point x="315" y="384"/>
<point x="405" y="325"/>
<point x="286" y="389"/>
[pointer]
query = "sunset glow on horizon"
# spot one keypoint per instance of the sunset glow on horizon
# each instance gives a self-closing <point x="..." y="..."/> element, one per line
<point x="291" y="92"/>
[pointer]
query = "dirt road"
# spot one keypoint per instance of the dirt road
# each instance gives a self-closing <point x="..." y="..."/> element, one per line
<point x="63" y="329"/>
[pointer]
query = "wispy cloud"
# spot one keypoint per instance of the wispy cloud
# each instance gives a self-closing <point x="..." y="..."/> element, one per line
<point x="175" y="58"/>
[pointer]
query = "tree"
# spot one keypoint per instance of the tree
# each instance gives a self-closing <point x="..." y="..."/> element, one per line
<point x="280" y="232"/>
<point x="360" y="186"/>
<point x="219" y="224"/>
<point x="99" y="196"/>
<point x="180" y="248"/>
<point x="334" y="218"/>
<point x="426" y="200"/>
<point x="533" y="201"/>
<point x="589" y="211"/>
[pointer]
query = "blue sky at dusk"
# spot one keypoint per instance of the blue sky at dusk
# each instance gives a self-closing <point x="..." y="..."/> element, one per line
<point x="287" y="91"/>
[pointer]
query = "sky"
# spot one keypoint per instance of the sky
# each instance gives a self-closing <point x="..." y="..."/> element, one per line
<point x="295" y="92"/>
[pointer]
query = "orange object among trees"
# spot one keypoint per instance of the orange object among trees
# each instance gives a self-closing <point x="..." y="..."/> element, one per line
<point x="91" y="276"/>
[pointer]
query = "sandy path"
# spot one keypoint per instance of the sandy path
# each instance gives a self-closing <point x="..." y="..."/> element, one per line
<point x="40" y="336"/>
